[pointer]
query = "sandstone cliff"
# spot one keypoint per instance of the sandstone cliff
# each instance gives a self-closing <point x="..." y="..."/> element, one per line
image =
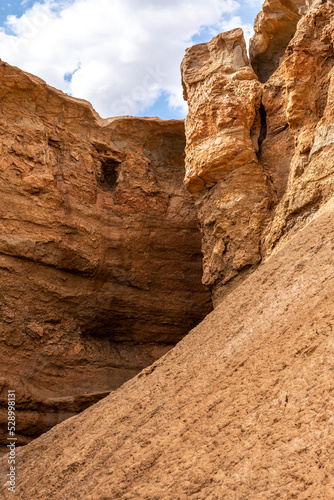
<point x="259" y="158"/>
<point x="222" y="169"/>
<point x="307" y="77"/>
<point x="242" y="406"/>
<point x="100" y="260"/>
<point x="274" y="27"/>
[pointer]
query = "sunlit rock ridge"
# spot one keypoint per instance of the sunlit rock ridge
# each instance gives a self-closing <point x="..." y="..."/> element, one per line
<point x="255" y="161"/>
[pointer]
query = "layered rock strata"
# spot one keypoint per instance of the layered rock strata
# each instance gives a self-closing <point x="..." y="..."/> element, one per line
<point x="100" y="260"/>
<point x="242" y="407"/>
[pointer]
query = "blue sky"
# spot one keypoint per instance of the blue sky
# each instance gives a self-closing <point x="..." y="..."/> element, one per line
<point x="8" y="8"/>
<point x="121" y="55"/>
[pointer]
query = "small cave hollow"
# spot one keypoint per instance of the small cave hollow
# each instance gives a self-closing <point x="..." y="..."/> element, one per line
<point x="109" y="173"/>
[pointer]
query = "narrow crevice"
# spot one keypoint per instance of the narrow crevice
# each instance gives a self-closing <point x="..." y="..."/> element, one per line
<point x="54" y="143"/>
<point x="263" y="130"/>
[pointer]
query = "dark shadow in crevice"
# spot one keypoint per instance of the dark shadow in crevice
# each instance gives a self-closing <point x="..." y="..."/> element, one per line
<point x="109" y="169"/>
<point x="263" y="130"/>
<point x="267" y="62"/>
<point x="110" y="161"/>
<point x="109" y="173"/>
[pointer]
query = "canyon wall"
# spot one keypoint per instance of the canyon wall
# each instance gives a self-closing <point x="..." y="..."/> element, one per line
<point x="259" y="159"/>
<point x="100" y="259"/>
<point x="242" y="406"/>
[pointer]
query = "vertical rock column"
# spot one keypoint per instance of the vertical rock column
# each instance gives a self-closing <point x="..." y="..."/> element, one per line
<point x="225" y="127"/>
<point x="307" y="75"/>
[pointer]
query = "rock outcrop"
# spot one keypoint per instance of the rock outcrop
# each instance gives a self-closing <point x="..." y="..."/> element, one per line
<point x="259" y="158"/>
<point x="100" y="258"/>
<point x="223" y="130"/>
<point x="308" y="78"/>
<point x="274" y="27"/>
<point x="241" y="408"/>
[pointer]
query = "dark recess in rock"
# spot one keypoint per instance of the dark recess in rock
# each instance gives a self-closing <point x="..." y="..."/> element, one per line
<point x="263" y="131"/>
<point x="266" y="64"/>
<point x="109" y="173"/>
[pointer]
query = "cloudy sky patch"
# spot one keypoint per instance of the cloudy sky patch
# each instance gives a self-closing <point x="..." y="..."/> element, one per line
<point x="121" y="55"/>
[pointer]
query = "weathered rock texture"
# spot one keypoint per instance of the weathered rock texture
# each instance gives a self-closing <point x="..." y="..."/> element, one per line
<point x="308" y="78"/>
<point x="100" y="260"/>
<point x="274" y="27"/>
<point x="223" y="130"/>
<point x="241" y="408"/>
<point x="259" y="157"/>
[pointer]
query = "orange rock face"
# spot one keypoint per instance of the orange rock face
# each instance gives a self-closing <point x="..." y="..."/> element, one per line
<point x="223" y="130"/>
<point x="258" y="156"/>
<point x="242" y="407"/>
<point x="307" y="75"/>
<point x="274" y="27"/>
<point x="100" y="259"/>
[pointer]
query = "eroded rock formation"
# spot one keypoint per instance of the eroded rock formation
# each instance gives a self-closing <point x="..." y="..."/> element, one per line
<point x="258" y="158"/>
<point x="309" y="83"/>
<point x="242" y="406"/>
<point x="223" y="130"/>
<point x="274" y="27"/>
<point x="100" y="260"/>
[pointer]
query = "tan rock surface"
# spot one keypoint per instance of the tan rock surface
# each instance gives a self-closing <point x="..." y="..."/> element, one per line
<point x="278" y="146"/>
<point x="274" y="27"/>
<point x="100" y="262"/>
<point x="259" y="158"/>
<point x="307" y="76"/>
<point x="223" y="130"/>
<point x="241" y="408"/>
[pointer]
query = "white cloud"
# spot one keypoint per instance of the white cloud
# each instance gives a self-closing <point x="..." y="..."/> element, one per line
<point x="236" y="21"/>
<point x="255" y="3"/>
<point x="122" y="54"/>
